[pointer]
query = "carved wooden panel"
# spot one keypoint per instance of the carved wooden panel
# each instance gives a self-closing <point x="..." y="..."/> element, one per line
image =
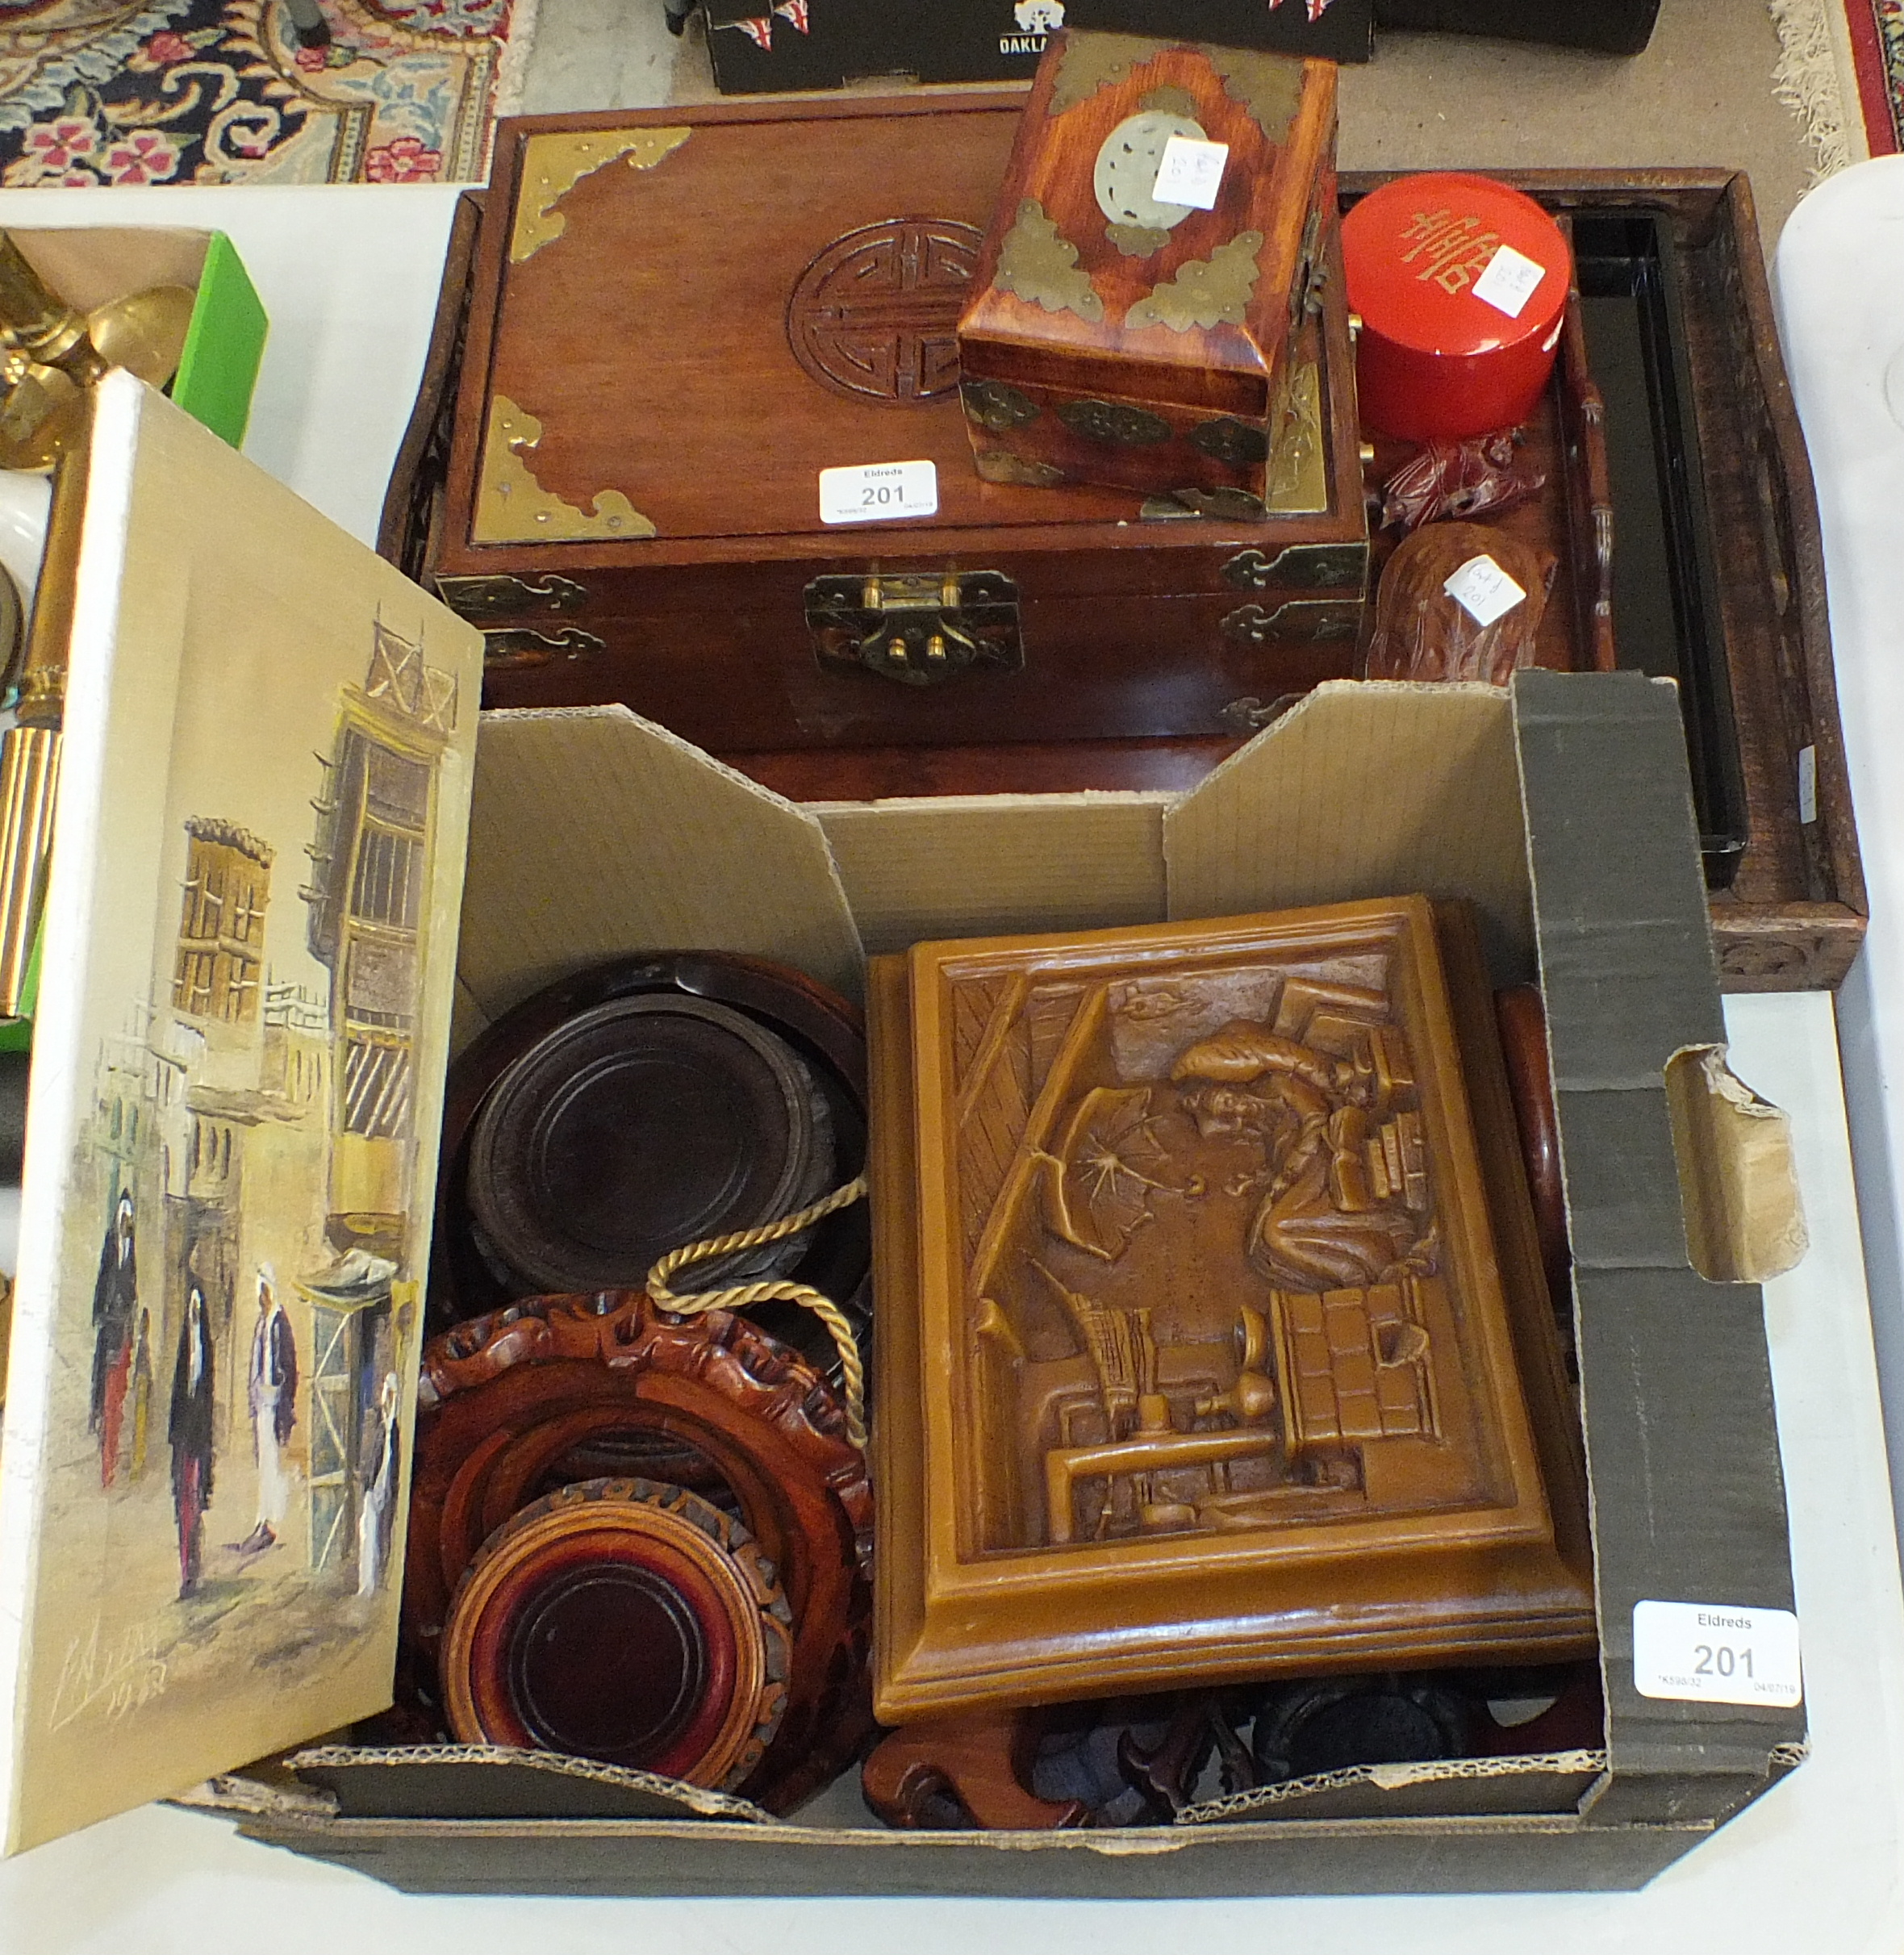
<point x="1223" y="1311"/>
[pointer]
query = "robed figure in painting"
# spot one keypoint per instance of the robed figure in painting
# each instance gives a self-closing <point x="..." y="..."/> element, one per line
<point x="191" y="1436"/>
<point x="382" y="1458"/>
<point x="115" y="1301"/>
<point x="273" y="1396"/>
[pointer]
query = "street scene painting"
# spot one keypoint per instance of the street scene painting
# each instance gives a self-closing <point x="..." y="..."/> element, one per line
<point x="230" y="1336"/>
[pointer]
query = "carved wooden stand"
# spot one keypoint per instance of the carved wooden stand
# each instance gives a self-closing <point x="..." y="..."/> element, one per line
<point x="473" y="1272"/>
<point x="1149" y="1755"/>
<point x="512" y="1405"/>
<point x="624" y="1621"/>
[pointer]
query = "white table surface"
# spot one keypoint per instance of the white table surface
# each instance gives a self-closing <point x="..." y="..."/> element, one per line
<point x="349" y="275"/>
<point x="1839" y="283"/>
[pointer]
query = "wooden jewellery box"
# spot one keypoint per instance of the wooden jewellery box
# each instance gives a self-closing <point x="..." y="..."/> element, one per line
<point x="680" y="322"/>
<point x="1121" y="335"/>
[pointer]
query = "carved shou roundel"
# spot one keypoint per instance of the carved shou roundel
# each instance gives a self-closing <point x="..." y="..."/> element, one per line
<point x="876" y="314"/>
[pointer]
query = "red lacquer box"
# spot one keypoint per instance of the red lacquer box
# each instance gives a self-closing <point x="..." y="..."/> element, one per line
<point x="1461" y="284"/>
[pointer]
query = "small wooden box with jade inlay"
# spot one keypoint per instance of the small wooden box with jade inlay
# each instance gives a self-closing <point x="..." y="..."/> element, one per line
<point x="1166" y="224"/>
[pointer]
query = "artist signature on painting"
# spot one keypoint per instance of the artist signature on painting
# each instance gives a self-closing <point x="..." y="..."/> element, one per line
<point x="116" y="1673"/>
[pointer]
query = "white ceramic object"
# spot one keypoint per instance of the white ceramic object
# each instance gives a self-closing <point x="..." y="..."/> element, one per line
<point x="24" y="499"/>
<point x="1839" y="287"/>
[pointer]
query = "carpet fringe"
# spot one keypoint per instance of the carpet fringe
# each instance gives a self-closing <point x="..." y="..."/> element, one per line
<point x="1808" y="82"/>
<point x="512" y="71"/>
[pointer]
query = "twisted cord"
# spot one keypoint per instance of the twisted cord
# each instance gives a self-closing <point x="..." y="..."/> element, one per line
<point x="739" y="1296"/>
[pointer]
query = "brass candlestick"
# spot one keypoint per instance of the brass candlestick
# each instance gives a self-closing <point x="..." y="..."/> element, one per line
<point x="51" y="356"/>
<point x="40" y="323"/>
<point x="53" y="352"/>
<point x="30" y="750"/>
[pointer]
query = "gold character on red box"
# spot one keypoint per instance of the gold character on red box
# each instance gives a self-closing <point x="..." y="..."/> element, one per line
<point x="1456" y="255"/>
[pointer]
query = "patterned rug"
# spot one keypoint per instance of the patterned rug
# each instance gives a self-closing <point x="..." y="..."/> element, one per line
<point x="220" y="91"/>
<point x="1876" y="29"/>
<point x="1841" y="73"/>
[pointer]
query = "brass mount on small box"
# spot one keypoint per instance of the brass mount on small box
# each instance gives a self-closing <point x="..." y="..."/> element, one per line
<point x="508" y="646"/>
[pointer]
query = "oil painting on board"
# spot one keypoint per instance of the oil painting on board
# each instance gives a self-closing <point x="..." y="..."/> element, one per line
<point x="236" y="1087"/>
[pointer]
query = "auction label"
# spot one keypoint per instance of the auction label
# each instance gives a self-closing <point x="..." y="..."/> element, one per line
<point x="1509" y="281"/>
<point x="1484" y="591"/>
<point x="1702" y="1653"/>
<point x="1190" y="173"/>
<point x="878" y="492"/>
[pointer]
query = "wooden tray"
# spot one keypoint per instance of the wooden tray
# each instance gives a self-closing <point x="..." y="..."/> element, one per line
<point x="1792" y="914"/>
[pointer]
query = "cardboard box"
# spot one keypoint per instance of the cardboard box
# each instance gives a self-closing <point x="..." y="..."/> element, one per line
<point x="1610" y="26"/>
<point x="1560" y="810"/>
<point x="756" y="45"/>
<point x="1564" y="814"/>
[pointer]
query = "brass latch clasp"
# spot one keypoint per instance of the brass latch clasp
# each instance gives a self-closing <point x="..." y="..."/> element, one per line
<point x="920" y="628"/>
